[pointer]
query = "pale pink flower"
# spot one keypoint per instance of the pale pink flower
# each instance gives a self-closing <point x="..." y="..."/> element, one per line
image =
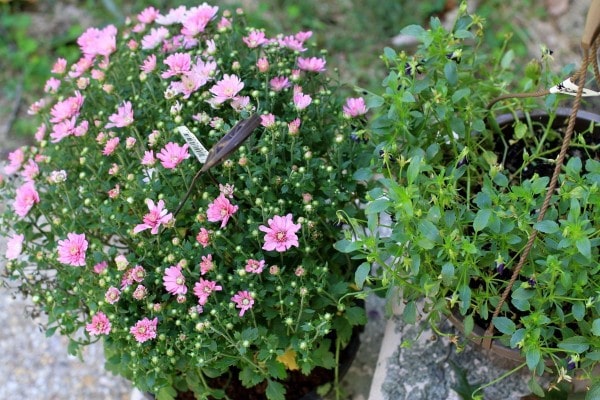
<point x="57" y="176"/>
<point x="224" y="24"/>
<point x="114" y="169"/>
<point x="26" y="197"/>
<point x="149" y="64"/>
<point x="40" y="133"/>
<point x="140" y="292"/>
<point x="255" y="39"/>
<point x="100" y="324"/>
<point x="14" y="246"/>
<point x="262" y="64"/>
<point x="149" y="158"/>
<point x="204" y="288"/>
<point x="354" y="107"/>
<point x="294" y="127"/>
<point x="144" y="329"/>
<point x="221" y="210"/>
<point x="255" y="266"/>
<point x="126" y="279"/>
<point x="299" y="271"/>
<point x="267" y="120"/>
<point x="312" y="64"/>
<point x="174" y="281"/>
<point x="227" y="88"/>
<point x="197" y="18"/>
<point x="130" y="142"/>
<point x="114" y="192"/>
<point x="101" y="266"/>
<point x="175" y="15"/>
<point x="227" y="190"/>
<point x="98" y="75"/>
<point x="240" y="103"/>
<point x="98" y="41"/>
<point x="295" y="75"/>
<point x="173" y="154"/>
<point x="138" y="273"/>
<point x="279" y="83"/>
<point x="121" y="261"/>
<point x="66" y="109"/>
<point x="110" y="146"/>
<point x="243" y="300"/>
<point x="280" y="234"/>
<point x="122" y="118"/>
<point x="211" y="47"/>
<point x="206" y="264"/>
<point x="178" y="63"/>
<point x="112" y="295"/>
<point x="81" y="129"/>
<point x="63" y="129"/>
<point x="16" y="159"/>
<point x="148" y="15"/>
<point x="60" y="66"/>
<point x="30" y="171"/>
<point x="36" y="107"/>
<point x="303" y="36"/>
<point x="71" y="251"/>
<point x="83" y="83"/>
<point x="52" y="85"/>
<point x="301" y="100"/>
<point x="153" y="138"/>
<point x="132" y="45"/>
<point x="292" y="43"/>
<point x="203" y="237"/>
<point x="157" y="216"/>
<point x="154" y="38"/>
<point x="81" y="66"/>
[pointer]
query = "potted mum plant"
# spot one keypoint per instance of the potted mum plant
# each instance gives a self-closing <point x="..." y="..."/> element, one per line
<point x="180" y="204"/>
<point x="463" y="180"/>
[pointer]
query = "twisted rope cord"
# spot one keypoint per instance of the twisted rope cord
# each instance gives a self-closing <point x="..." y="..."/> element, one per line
<point x="580" y="80"/>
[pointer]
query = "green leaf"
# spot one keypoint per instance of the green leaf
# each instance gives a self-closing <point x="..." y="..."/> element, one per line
<point x="507" y="59"/>
<point x="451" y="72"/>
<point x="546" y="226"/>
<point x="166" y="393"/>
<point x="578" y="310"/>
<point x="407" y="97"/>
<point x="373" y="101"/>
<point x="468" y="324"/>
<point x="575" y="344"/>
<point x="501" y="180"/>
<point x="413" y="169"/>
<point x="584" y="246"/>
<point x="361" y="274"/>
<point x="363" y="174"/>
<point x="275" y="390"/>
<point x="533" y="357"/>
<point x="378" y="205"/>
<point x="250" y="377"/>
<point x="520" y="130"/>
<point x="413" y="30"/>
<point x="460" y="94"/>
<point x="429" y="230"/>
<point x="409" y="314"/>
<point x="389" y="53"/>
<point x="346" y="246"/>
<point x="447" y="273"/>
<point x="481" y="219"/>
<point x="594" y="392"/>
<point x="596" y="327"/>
<point x="505" y="325"/>
<point x="535" y="387"/>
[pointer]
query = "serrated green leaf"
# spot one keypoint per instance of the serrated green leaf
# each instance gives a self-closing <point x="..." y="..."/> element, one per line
<point x="363" y="174"/>
<point x="482" y="219"/>
<point x="373" y="101"/>
<point x="166" y="393"/>
<point x="505" y="325"/>
<point x="361" y="274"/>
<point x="501" y="180"/>
<point x="546" y="226"/>
<point x="275" y="390"/>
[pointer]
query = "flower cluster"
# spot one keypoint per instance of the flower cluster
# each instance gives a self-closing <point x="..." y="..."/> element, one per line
<point x="103" y="236"/>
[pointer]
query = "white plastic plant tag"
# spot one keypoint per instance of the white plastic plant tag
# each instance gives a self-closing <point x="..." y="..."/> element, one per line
<point x="568" y="87"/>
<point x="199" y="151"/>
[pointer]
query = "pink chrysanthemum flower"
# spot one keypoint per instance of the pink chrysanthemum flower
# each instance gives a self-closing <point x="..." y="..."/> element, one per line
<point x="175" y="15"/>
<point x="60" y="66"/>
<point x="279" y="83"/>
<point x="292" y="43"/>
<point x="138" y="273"/>
<point x="267" y="120"/>
<point x="71" y="251"/>
<point x="262" y="64"/>
<point x="280" y="234"/>
<point x="227" y="88"/>
<point x="100" y="324"/>
<point x="122" y="118"/>
<point x="174" y="281"/>
<point x="243" y="300"/>
<point x="354" y="107"/>
<point x="95" y="41"/>
<point x="148" y="15"/>
<point x="255" y="266"/>
<point x="301" y="100"/>
<point x="206" y="264"/>
<point x="26" y="197"/>
<point x="14" y="246"/>
<point x="157" y="216"/>
<point x="110" y="146"/>
<point x="52" y="85"/>
<point x="112" y="295"/>
<point x="204" y="288"/>
<point x="16" y="159"/>
<point x="63" y="129"/>
<point x="144" y="329"/>
<point x="100" y="267"/>
<point x="173" y="154"/>
<point x="149" y="64"/>
<point x="66" y="109"/>
<point x="203" y="237"/>
<point x="140" y="292"/>
<point x="154" y="38"/>
<point x="178" y="63"/>
<point x="197" y="18"/>
<point x="294" y="127"/>
<point x="148" y="158"/>
<point x="221" y="210"/>
<point x="30" y="171"/>
<point x="255" y="39"/>
<point x="312" y="64"/>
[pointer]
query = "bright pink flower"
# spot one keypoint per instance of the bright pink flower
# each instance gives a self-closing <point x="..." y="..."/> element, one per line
<point x="66" y="109"/>
<point x="224" y="24"/>
<point x="267" y="120"/>
<point x="312" y="64"/>
<point x="95" y="41"/>
<point x="280" y="234"/>
<point x="110" y="146"/>
<point x="204" y="288"/>
<point x="81" y="66"/>
<point x="122" y="118"/>
<point x="227" y="88"/>
<point x="206" y="264"/>
<point x="301" y="100"/>
<point x="157" y="216"/>
<point x="279" y="83"/>
<point x="173" y="154"/>
<point x="144" y="329"/>
<point x="149" y="64"/>
<point x="101" y="266"/>
<point x="178" y="63"/>
<point x="112" y="295"/>
<point x="255" y="39"/>
<point x="114" y="192"/>
<point x="14" y="246"/>
<point x="203" y="237"/>
<point x="16" y="159"/>
<point x="174" y="280"/>
<point x="303" y="36"/>
<point x="30" y="171"/>
<point x="71" y="251"/>
<point x="148" y="15"/>
<point x="52" y="85"/>
<point x="243" y="300"/>
<point x="154" y="38"/>
<point x="294" y="127"/>
<point x="63" y="129"/>
<point x="220" y="210"/>
<point x="354" y="107"/>
<point x="262" y="64"/>
<point x="100" y="324"/>
<point x="60" y="66"/>
<point x="197" y="18"/>
<point x="292" y="43"/>
<point x="255" y="266"/>
<point x="26" y="197"/>
<point x="149" y="158"/>
<point x="81" y="129"/>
